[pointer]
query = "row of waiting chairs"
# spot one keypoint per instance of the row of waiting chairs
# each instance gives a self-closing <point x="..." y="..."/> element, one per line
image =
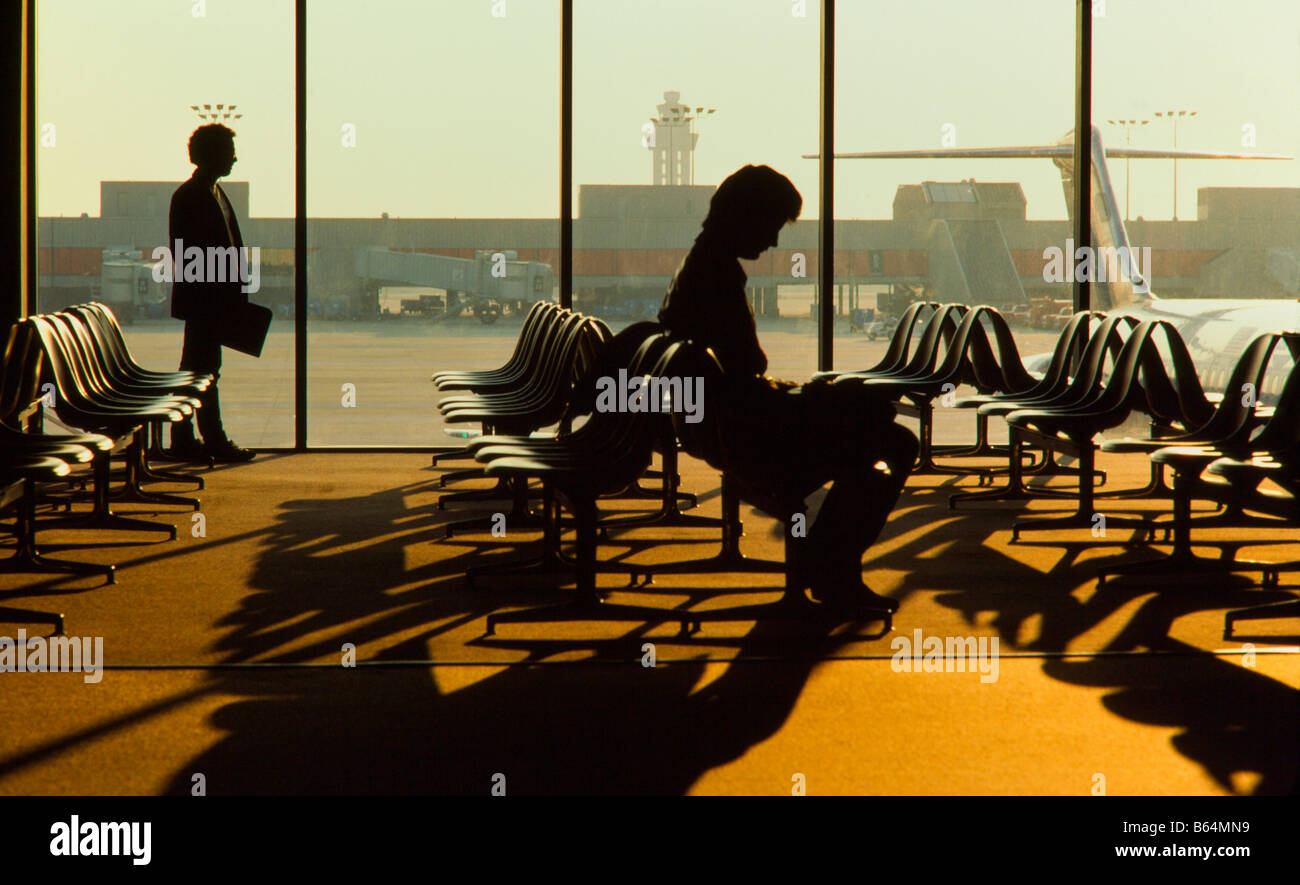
<point x="528" y="394"/>
<point x="1221" y="447"/>
<point x="79" y="359"/>
<point x="1103" y="368"/>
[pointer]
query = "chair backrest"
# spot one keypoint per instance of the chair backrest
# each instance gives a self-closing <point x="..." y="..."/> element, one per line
<point x="625" y="441"/>
<point x="615" y="352"/>
<point x="1281" y="433"/>
<point x="102" y="326"/>
<point x="543" y="316"/>
<point x="21" y="374"/>
<point x="77" y="393"/>
<point x="110" y="330"/>
<point x="702" y="439"/>
<point x="1139" y="380"/>
<point x="896" y="353"/>
<point x="90" y="365"/>
<point x="969" y="346"/>
<point x="545" y="396"/>
<point x="1071" y="343"/>
<point x="1172" y="397"/>
<point x="72" y="330"/>
<point x="940" y="328"/>
<point x="1235" y="410"/>
<point x="1004" y="371"/>
<point x="1104" y="346"/>
<point x="62" y="371"/>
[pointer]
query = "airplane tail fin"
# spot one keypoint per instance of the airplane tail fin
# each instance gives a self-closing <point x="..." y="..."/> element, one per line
<point x="1121" y="276"/>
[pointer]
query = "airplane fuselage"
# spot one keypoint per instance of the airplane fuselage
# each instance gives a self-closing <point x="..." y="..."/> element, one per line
<point x="1217" y="331"/>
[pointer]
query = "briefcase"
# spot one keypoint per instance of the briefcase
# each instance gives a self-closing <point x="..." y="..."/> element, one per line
<point x="246" y="327"/>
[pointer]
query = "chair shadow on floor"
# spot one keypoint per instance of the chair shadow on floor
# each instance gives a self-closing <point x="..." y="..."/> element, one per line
<point x="336" y="571"/>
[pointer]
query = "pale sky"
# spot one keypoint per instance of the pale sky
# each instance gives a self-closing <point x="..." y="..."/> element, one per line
<point x="455" y="102"/>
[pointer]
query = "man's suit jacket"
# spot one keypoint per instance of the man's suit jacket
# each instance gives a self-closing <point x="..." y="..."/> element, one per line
<point x="195" y="217"/>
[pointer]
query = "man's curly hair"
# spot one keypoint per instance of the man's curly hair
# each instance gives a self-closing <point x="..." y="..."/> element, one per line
<point x="208" y="143"/>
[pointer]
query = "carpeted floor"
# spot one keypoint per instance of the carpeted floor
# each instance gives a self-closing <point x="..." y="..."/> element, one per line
<point x="227" y="653"/>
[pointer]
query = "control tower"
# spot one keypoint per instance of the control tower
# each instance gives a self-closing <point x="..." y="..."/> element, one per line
<point x="672" y="145"/>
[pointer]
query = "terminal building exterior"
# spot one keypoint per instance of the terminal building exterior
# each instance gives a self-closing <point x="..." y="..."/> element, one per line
<point x="965" y="241"/>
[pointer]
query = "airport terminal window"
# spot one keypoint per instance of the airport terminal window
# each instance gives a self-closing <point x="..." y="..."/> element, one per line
<point x="1217" y="83"/>
<point x="419" y="172"/>
<point x="1208" y="82"/>
<point x="669" y="99"/>
<point x="433" y="192"/>
<point x="960" y="229"/>
<point x="116" y="103"/>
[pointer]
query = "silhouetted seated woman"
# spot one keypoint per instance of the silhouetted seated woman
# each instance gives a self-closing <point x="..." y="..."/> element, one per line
<point x="786" y="439"/>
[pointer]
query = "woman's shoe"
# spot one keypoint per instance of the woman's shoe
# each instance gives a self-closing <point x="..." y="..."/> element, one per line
<point x="846" y="593"/>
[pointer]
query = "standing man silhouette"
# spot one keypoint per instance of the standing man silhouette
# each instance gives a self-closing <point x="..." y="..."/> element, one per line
<point x="201" y="216"/>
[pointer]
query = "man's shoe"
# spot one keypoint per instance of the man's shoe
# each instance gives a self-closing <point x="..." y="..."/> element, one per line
<point x="227" y="452"/>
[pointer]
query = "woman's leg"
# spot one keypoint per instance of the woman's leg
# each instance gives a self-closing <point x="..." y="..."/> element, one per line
<point x="855" y="512"/>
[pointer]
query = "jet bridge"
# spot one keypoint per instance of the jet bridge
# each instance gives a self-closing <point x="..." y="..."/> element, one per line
<point x="492" y="282"/>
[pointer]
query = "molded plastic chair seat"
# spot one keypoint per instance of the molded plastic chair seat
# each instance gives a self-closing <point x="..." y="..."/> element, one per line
<point x="896" y="352"/>
<point x="102" y="325"/>
<point x="1139" y="383"/>
<point x="1275" y="441"/>
<point x="542" y="312"/>
<point x="537" y="352"/>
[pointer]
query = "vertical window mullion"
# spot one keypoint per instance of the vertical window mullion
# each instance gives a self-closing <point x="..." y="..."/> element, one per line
<point x="1082" y="141"/>
<point x="826" y="193"/>
<point x="300" y="227"/>
<point x="566" y="153"/>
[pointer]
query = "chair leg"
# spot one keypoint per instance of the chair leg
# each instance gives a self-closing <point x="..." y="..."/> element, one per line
<point x="728" y="559"/>
<point x="453" y="455"/>
<point x="9" y="614"/>
<point x="149" y="474"/>
<point x="503" y="490"/>
<point x="1285" y="609"/>
<point x="923" y="411"/>
<point x="1084" y="516"/>
<point x="27" y="559"/>
<point x="552" y="559"/>
<point x="587" y="604"/>
<point x="794" y="604"/>
<point x="1016" y="489"/>
<point x="131" y="490"/>
<point x="459" y="475"/>
<point x="101" y="515"/>
<point x="1182" y="559"/>
<point x="521" y="516"/>
<point x="669" y="512"/>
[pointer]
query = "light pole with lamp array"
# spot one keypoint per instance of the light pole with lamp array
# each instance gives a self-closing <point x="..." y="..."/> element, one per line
<point x="1174" y="117"/>
<point x="210" y="114"/>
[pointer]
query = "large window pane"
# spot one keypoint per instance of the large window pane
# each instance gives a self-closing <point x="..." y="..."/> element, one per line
<point x="970" y="230"/>
<point x="116" y="87"/>
<point x="433" y="190"/>
<point x="932" y="76"/>
<point x="1196" y="76"/>
<point x="715" y="86"/>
